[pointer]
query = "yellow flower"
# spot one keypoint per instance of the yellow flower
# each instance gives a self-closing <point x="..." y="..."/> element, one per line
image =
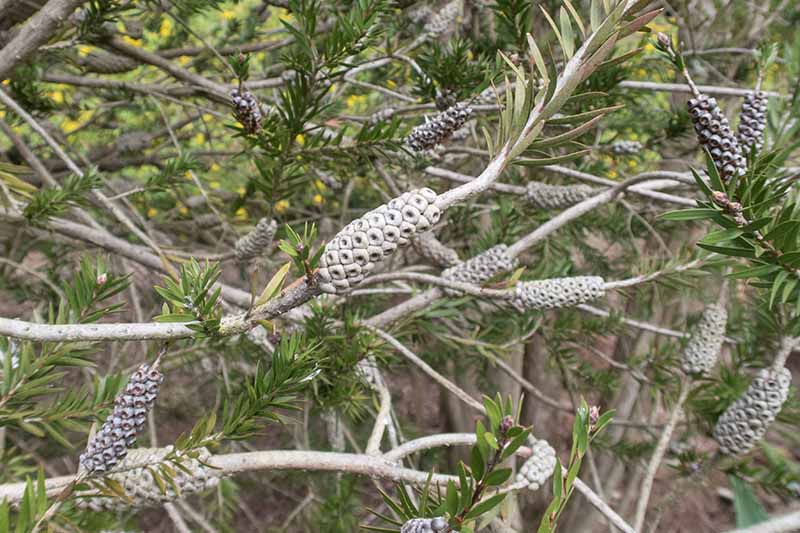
<point x="228" y="14"/>
<point x="241" y="213"/>
<point x="281" y="206"/>
<point x="261" y="56"/>
<point x="391" y="84"/>
<point x="632" y="163"/>
<point x="198" y="138"/>
<point x="634" y="136"/>
<point x="355" y="101"/>
<point x="152" y="212"/>
<point x="214" y="167"/>
<point x="84" y="50"/>
<point x="241" y="191"/>
<point x="612" y="173"/>
<point x="166" y="27"/>
<point x="642" y="73"/>
<point x="286" y="16"/>
<point x="183" y="210"/>
<point x="318" y="200"/>
<point x="214" y="185"/>
<point x="6" y="82"/>
<point x="184" y="60"/>
<point x="57" y="97"/>
<point x="2" y="114"/>
<point x="85" y="115"/>
<point x="207" y="117"/>
<point x="301" y="139"/>
<point x="321" y="186"/>
<point x="68" y="126"/>
<point x="188" y="175"/>
<point x="131" y="41"/>
<point x="648" y="48"/>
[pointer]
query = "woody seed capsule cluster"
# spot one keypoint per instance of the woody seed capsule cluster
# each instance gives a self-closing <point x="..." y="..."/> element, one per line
<point x="424" y="525"/>
<point x="256" y="242"/>
<point x="361" y="245"/>
<point x="745" y="421"/>
<point x="482" y="267"/>
<point x="557" y="292"/>
<point x="704" y="345"/>
<point x="626" y="147"/>
<point x="546" y="196"/>
<point x="434" y="251"/>
<point x="433" y="132"/>
<point x="539" y="466"/>
<point x="142" y="489"/>
<point x="752" y="121"/>
<point x="110" y="445"/>
<point x="441" y="21"/>
<point x="247" y="110"/>
<point x="714" y="133"/>
<point x="105" y="63"/>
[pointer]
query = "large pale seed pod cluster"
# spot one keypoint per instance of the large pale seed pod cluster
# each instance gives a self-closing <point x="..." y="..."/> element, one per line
<point x="110" y="445"/>
<point x="439" y="129"/>
<point x="434" y="251"/>
<point x="746" y="420"/>
<point x="142" y="490"/>
<point x="544" y="196"/>
<point x="361" y="245"/>
<point x="703" y="348"/>
<point x="256" y="242"/>
<point x="482" y="267"/>
<point x="424" y="525"/>
<point x="443" y="19"/>
<point x="752" y="121"/>
<point x="714" y="133"/>
<point x="557" y="292"/>
<point x="539" y="466"/>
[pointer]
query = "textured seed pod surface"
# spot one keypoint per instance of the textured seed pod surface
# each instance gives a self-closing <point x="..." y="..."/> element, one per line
<point x="703" y="348"/>
<point x="256" y="242"/>
<point x="443" y="19"/>
<point x="105" y="63"/>
<point x="626" y="147"/>
<point x="110" y="445"/>
<point x="745" y="421"/>
<point x="424" y="525"/>
<point x="361" y="245"/>
<point x="714" y="133"/>
<point x="546" y="196"/>
<point x="434" y="251"/>
<point x="247" y="110"/>
<point x="539" y="466"/>
<point x="558" y="292"/>
<point x="143" y="490"/>
<point x="482" y="267"/>
<point x="752" y="122"/>
<point x="440" y="128"/>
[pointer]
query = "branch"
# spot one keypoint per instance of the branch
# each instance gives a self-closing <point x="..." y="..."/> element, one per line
<point x="658" y="455"/>
<point x="35" y="33"/>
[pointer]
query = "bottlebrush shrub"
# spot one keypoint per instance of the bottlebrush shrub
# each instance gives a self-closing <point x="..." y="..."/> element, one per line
<point x="286" y="193"/>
